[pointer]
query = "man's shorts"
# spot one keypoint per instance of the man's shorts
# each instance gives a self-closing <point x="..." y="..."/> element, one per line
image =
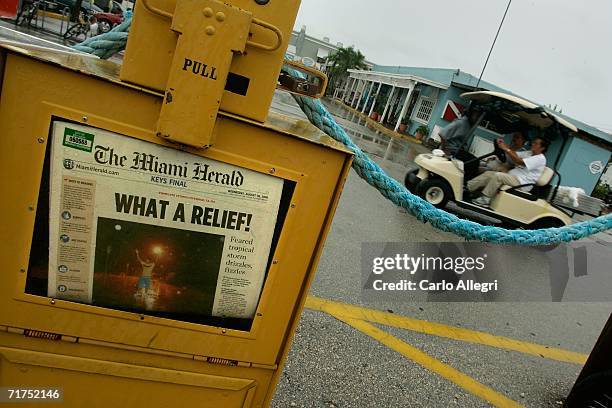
<point x="144" y="282"/>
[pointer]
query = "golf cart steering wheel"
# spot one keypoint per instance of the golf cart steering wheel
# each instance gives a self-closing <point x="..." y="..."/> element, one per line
<point x="498" y="152"/>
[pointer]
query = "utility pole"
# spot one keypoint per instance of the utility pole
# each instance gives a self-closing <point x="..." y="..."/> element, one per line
<point x="494" y="40"/>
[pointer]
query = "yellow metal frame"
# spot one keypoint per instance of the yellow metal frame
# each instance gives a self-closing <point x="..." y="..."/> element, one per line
<point x="152" y="43"/>
<point x="37" y="87"/>
<point x="62" y="113"/>
<point x="315" y="73"/>
<point x="276" y="45"/>
<point x="209" y="34"/>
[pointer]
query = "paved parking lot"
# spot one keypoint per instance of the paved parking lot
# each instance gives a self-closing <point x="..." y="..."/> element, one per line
<point x="345" y="360"/>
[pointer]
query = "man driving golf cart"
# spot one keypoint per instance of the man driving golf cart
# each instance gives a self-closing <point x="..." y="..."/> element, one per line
<point x="441" y="178"/>
<point x="517" y="144"/>
<point x="529" y="167"/>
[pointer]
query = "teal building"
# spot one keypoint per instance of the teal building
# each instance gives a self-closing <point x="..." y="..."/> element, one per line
<point x="406" y="98"/>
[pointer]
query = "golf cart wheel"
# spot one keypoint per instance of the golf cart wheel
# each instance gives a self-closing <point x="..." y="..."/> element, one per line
<point x="411" y="181"/>
<point x="543" y="223"/>
<point x="105" y="26"/>
<point x="435" y="191"/>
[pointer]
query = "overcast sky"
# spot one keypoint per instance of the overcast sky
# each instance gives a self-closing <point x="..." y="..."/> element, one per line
<point x="549" y="51"/>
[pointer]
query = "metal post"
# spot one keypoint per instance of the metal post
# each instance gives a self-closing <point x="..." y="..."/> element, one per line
<point x="349" y="81"/>
<point x="375" y="99"/>
<point x="355" y="93"/>
<point x="405" y="107"/>
<point x="493" y="45"/>
<point x="353" y="90"/>
<point x="348" y="98"/>
<point x="382" y="118"/>
<point x="395" y="103"/>
<point x="44" y="14"/>
<point x="346" y="88"/>
<point x="363" y="95"/>
<point x="65" y="15"/>
<point x="396" y="95"/>
<point x="368" y="98"/>
<point x="389" y="149"/>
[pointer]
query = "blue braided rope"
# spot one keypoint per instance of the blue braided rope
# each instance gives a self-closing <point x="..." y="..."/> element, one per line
<point x="421" y="209"/>
<point x="105" y="45"/>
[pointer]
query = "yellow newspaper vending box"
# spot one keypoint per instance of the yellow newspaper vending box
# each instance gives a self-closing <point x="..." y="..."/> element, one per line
<point x="137" y="267"/>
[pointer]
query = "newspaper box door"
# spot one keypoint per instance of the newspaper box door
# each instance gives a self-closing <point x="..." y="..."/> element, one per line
<point x="137" y="272"/>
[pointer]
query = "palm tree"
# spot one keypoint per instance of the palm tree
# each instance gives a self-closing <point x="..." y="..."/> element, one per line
<point x="340" y="62"/>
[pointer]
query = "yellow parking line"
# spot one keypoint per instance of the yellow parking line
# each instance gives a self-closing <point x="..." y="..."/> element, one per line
<point x="462" y="380"/>
<point x="422" y="326"/>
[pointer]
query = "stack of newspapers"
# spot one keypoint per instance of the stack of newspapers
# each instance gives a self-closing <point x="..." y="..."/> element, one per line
<point x="576" y="200"/>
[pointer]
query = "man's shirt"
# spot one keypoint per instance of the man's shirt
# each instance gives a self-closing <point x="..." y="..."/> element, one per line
<point x="532" y="170"/>
<point x="455" y="134"/>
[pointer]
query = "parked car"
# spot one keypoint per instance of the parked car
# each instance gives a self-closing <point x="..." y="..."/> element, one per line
<point x="103" y="4"/>
<point x="107" y="21"/>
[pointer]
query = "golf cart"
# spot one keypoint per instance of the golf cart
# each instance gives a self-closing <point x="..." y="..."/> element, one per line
<point x="440" y="179"/>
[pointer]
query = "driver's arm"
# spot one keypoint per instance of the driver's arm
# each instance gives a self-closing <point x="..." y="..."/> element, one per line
<point x="514" y="156"/>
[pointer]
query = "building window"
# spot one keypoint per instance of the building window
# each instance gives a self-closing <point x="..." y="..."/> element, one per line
<point x="424" y="109"/>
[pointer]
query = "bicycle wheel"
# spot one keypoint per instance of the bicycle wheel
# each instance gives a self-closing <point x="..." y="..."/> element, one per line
<point x="75" y="31"/>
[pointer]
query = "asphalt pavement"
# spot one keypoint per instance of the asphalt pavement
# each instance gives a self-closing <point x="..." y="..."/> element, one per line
<point x="332" y="364"/>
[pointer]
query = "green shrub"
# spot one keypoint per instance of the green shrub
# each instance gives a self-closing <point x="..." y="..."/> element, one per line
<point x="602" y="189"/>
<point x="424" y="130"/>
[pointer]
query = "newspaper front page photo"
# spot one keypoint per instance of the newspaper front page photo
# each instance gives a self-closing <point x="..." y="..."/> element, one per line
<point x="139" y="226"/>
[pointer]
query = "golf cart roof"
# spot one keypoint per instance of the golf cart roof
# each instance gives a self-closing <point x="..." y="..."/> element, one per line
<point x="523" y="109"/>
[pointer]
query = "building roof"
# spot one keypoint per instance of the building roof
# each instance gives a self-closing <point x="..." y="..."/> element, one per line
<point x="446" y="76"/>
<point x="456" y="77"/>
<point x="600" y="134"/>
<point x="319" y="42"/>
<point x="325" y="43"/>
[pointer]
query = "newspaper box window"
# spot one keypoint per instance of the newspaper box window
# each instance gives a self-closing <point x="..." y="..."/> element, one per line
<point x="144" y="228"/>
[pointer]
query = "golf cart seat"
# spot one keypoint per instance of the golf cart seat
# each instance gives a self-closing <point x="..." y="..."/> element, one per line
<point x="539" y="189"/>
<point x="545" y="177"/>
